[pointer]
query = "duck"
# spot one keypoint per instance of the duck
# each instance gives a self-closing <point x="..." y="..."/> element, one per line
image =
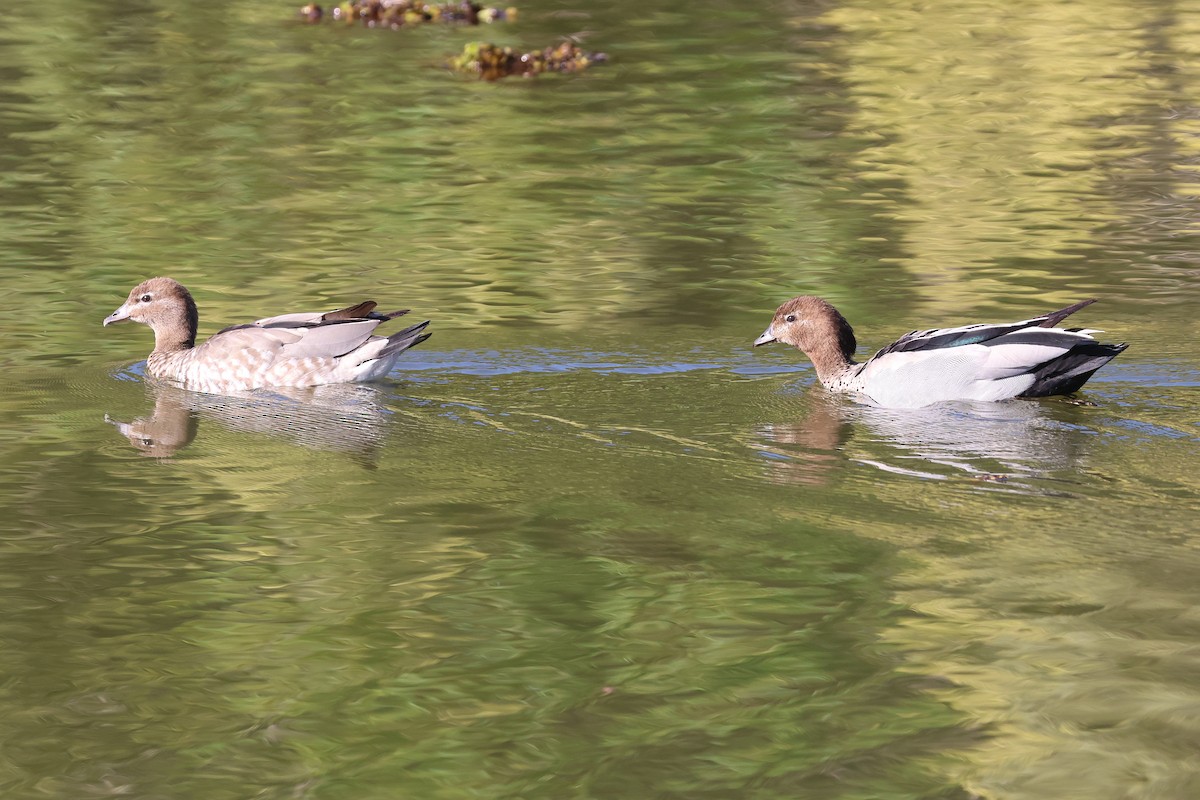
<point x="296" y="349"/>
<point x="979" y="362"/>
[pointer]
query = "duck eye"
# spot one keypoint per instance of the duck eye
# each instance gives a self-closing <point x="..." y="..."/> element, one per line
<point x="790" y="318"/>
<point x="145" y="298"/>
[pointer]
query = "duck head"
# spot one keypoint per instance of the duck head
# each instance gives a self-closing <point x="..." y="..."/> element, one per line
<point x="166" y="306"/>
<point x="811" y="325"/>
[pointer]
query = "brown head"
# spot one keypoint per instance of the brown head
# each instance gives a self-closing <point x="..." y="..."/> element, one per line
<point x="167" y="307"/>
<point x="813" y="326"/>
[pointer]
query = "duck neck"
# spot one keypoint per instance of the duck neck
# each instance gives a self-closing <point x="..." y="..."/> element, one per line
<point x="176" y="331"/>
<point x="830" y="362"/>
<point x="173" y="340"/>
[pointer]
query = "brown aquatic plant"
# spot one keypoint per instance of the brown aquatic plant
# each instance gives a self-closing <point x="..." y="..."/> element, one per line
<point x="406" y="13"/>
<point x="492" y="62"/>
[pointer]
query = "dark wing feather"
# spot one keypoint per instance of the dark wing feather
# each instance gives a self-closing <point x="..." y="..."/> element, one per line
<point x="243" y="326"/>
<point x="1056" y="317"/>
<point x="939" y="338"/>
<point x="1046" y="337"/>
<point x="359" y="311"/>
<point x="364" y="310"/>
<point x="310" y="319"/>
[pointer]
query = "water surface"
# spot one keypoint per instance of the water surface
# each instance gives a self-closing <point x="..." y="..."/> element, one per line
<point x="586" y="542"/>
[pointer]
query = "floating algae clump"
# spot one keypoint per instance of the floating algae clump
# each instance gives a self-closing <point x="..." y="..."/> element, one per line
<point x="406" y="13"/>
<point x="491" y="61"/>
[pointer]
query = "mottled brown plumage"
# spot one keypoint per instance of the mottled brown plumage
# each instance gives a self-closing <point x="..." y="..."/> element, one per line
<point x="304" y="349"/>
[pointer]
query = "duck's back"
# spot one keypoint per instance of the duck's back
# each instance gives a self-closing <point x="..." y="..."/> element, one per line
<point x="983" y="363"/>
<point x="291" y="353"/>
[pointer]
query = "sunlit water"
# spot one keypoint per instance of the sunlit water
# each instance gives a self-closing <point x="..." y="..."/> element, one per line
<point x="586" y="542"/>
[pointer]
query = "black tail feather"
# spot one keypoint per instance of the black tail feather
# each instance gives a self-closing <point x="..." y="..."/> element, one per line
<point x="1070" y="371"/>
<point x="402" y="340"/>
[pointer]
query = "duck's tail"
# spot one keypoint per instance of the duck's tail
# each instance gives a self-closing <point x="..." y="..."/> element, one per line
<point x="403" y="340"/>
<point x="1070" y="371"/>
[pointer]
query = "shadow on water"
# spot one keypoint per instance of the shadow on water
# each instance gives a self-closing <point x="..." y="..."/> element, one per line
<point x="517" y="392"/>
<point x="994" y="443"/>
<point x="346" y="418"/>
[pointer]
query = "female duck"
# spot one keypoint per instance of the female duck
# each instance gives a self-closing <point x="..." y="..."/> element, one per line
<point x="1031" y="358"/>
<point x="290" y="350"/>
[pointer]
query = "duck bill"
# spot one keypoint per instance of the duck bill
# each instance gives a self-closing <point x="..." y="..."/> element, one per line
<point x="766" y="338"/>
<point x="120" y="315"/>
<point x="124" y="427"/>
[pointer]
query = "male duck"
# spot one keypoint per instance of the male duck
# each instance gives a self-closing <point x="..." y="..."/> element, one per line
<point x="1030" y="358"/>
<point x="303" y="349"/>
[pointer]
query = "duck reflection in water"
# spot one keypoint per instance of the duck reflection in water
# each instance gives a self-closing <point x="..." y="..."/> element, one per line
<point x="347" y="418"/>
<point x="989" y="442"/>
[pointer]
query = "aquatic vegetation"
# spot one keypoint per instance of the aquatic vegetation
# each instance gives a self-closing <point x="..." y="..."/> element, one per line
<point x="406" y="13"/>
<point x="487" y="60"/>
<point x="492" y="62"/>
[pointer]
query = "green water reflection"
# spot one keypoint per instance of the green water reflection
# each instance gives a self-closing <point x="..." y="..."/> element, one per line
<point x="587" y="543"/>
